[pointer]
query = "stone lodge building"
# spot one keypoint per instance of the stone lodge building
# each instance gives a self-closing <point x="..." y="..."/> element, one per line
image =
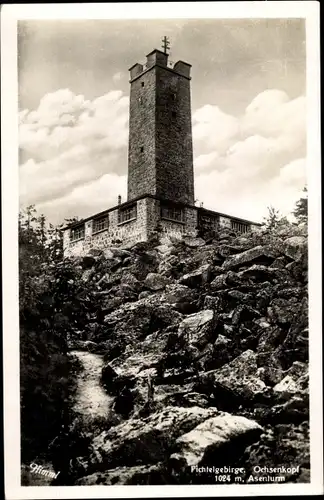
<point x="160" y="167"/>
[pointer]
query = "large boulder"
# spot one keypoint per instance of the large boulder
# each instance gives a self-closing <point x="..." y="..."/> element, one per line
<point x="181" y="297"/>
<point x="198" y="277"/>
<point x="136" y="475"/>
<point x="108" y="376"/>
<point x="146" y="440"/>
<point x="260" y="273"/>
<point x="124" y="291"/>
<point x="176" y="293"/>
<point x="168" y="265"/>
<point x="286" y="445"/>
<point x="129" y="279"/>
<point x="223" y="352"/>
<point x="295" y="247"/>
<point x="164" y="250"/>
<point x="198" y="328"/>
<point x="295" y="382"/>
<point x="136" y="320"/>
<point x="88" y="261"/>
<point x="241" y="376"/>
<point x="260" y="254"/>
<point x="283" y="312"/>
<point x="194" y="242"/>
<point x="225" y="280"/>
<point x="155" y="281"/>
<point x="144" y="263"/>
<point x="212" y="442"/>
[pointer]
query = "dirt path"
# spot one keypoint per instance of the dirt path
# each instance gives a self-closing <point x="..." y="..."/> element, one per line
<point x="91" y="399"/>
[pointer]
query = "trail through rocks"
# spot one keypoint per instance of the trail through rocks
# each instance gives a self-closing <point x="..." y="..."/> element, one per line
<point x="91" y="399"/>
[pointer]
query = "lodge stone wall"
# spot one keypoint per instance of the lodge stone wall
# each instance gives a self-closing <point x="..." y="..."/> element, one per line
<point x="148" y="220"/>
<point x="117" y="233"/>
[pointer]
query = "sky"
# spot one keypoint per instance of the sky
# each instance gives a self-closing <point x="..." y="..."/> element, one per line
<point x="248" y="111"/>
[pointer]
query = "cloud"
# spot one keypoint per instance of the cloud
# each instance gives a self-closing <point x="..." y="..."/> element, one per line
<point x="117" y="76"/>
<point x="256" y="160"/>
<point x="69" y="141"/>
<point x="225" y="193"/>
<point x="213" y="129"/>
<point x="75" y="156"/>
<point x="86" y="199"/>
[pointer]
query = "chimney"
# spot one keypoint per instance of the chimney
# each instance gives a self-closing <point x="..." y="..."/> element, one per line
<point x="119" y="199"/>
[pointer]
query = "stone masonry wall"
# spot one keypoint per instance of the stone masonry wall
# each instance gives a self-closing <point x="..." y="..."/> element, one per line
<point x="123" y="234"/>
<point x="147" y="221"/>
<point x="178" y="229"/>
<point x="141" y="164"/>
<point x="160" y="158"/>
<point x="224" y="222"/>
<point x="174" y="157"/>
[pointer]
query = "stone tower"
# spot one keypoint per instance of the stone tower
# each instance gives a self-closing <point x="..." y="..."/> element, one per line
<point x="160" y="159"/>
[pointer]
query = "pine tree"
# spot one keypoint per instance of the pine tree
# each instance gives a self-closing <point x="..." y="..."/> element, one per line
<point x="301" y="207"/>
<point x="272" y="220"/>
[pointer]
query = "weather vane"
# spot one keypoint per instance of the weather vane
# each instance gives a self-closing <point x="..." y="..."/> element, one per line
<point x="165" y="44"/>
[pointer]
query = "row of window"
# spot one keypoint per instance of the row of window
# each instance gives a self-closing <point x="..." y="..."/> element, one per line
<point x="212" y="223"/>
<point x="172" y="213"/>
<point x="102" y="223"/>
<point x="240" y="227"/>
<point x="126" y="214"/>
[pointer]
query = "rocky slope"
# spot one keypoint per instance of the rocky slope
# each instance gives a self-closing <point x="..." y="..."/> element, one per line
<point x="204" y="346"/>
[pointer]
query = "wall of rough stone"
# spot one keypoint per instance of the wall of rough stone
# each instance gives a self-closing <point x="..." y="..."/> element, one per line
<point x="153" y="214"/>
<point x="174" y="157"/>
<point x="160" y="123"/>
<point x="178" y="229"/>
<point x="191" y="218"/>
<point x="123" y="234"/>
<point x="224" y="222"/>
<point x="141" y="165"/>
<point x="147" y="221"/>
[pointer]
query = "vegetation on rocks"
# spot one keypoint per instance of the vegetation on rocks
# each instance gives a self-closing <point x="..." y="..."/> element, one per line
<point x="204" y="357"/>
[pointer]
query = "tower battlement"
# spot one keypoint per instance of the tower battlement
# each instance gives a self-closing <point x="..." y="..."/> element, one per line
<point x="157" y="57"/>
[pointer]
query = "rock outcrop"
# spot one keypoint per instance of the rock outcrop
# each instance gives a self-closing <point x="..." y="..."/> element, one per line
<point x="205" y="354"/>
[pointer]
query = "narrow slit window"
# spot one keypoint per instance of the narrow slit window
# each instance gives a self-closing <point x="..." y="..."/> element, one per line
<point x="142" y="83"/>
<point x="142" y="149"/>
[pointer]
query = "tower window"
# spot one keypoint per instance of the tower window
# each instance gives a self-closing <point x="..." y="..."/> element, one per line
<point x="174" y="114"/>
<point x="173" y="97"/>
<point x="142" y="149"/>
<point x="142" y="83"/>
